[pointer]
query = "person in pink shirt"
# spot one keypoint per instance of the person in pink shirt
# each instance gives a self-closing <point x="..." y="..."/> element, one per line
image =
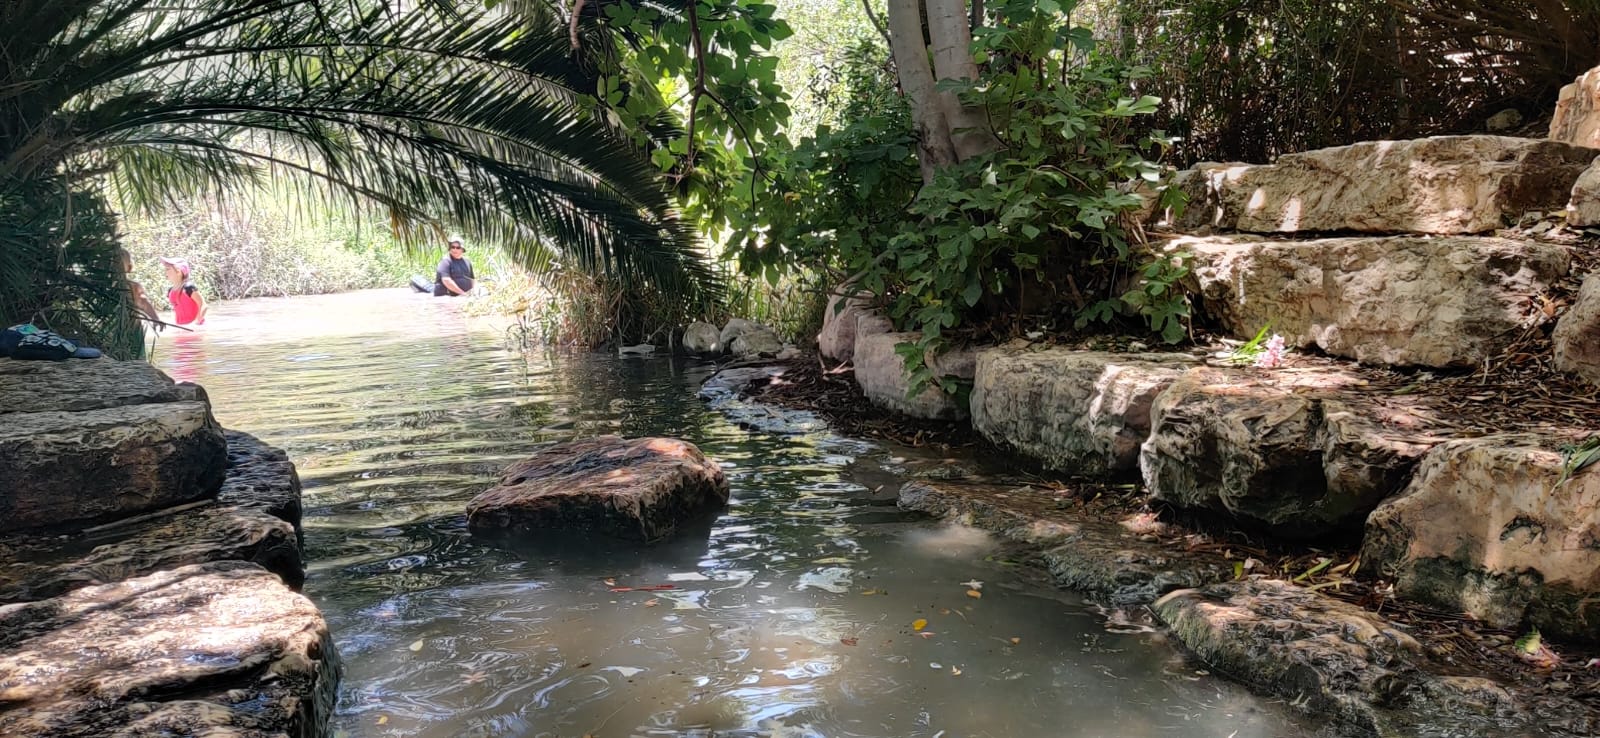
<point x="187" y="304"/>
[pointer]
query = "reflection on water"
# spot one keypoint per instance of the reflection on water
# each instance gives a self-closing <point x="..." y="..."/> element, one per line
<point x="811" y="607"/>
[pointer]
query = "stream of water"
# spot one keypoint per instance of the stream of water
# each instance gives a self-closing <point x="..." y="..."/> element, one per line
<point x="810" y="607"/>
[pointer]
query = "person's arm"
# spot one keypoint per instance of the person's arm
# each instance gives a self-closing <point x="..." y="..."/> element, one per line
<point x="200" y="302"/>
<point x="143" y="303"/>
<point x="450" y="284"/>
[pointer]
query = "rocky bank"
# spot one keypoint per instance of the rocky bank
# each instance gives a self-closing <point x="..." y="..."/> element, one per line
<point x="149" y="565"/>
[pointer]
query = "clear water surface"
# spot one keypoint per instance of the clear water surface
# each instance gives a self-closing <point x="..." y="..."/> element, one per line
<point x="794" y="613"/>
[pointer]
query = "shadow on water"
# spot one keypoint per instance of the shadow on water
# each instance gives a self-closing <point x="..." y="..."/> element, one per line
<point x="809" y="607"/>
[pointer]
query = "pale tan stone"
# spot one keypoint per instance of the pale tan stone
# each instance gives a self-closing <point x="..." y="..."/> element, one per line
<point x="1577" y="333"/>
<point x="1583" y="210"/>
<point x="1084" y="412"/>
<point x="1442" y="185"/>
<point x="1485" y="528"/>
<point x="1408" y="301"/>
<point x="882" y="376"/>
<point x="1577" y="118"/>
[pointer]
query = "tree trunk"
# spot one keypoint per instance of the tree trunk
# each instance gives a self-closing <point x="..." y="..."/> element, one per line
<point x="951" y="35"/>
<point x="935" y="150"/>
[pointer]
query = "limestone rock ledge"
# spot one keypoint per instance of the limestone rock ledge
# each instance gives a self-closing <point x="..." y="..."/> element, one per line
<point x="1490" y="527"/>
<point x="1405" y="301"/>
<point x="223" y="648"/>
<point x="1440" y="185"/>
<point x="638" y="489"/>
<point x="92" y="440"/>
<point x="1577" y="117"/>
<point x="255" y="518"/>
<point x="1120" y="561"/>
<point x="1081" y="412"/>
<point x="1330" y="657"/>
<point x="881" y="374"/>
<point x="1307" y="453"/>
<point x="1577" y="334"/>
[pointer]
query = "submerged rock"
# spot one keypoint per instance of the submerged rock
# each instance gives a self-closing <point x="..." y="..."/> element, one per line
<point x="1577" y="333"/>
<point x="1441" y="185"/>
<point x="638" y="489"/>
<point x="1084" y="412"/>
<point x="1084" y="551"/>
<point x="1304" y="453"/>
<point x="1489" y="527"/>
<point x="1405" y="301"/>
<point x="220" y="649"/>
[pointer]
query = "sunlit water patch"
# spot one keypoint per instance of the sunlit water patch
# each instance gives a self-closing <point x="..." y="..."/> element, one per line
<point x="810" y="607"/>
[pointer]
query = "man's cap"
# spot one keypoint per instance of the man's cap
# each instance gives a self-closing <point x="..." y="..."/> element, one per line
<point x="456" y="239"/>
<point x="182" y="265"/>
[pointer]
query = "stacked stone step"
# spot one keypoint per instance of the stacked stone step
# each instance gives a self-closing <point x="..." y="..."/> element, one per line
<point x="130" y="520"/>
<point x="1382" y="253"/>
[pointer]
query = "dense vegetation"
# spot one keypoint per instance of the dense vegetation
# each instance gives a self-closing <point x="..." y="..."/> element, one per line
<point x="971" y="166"/>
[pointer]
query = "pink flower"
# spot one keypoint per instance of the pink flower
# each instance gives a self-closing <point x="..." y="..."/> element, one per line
<point x="1271" y="357"/>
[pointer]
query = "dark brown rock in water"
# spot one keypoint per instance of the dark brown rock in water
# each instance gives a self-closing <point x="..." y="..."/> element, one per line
<point x="221" y="649"/>
<point x="255" y="518"/>
<point x="638" y="489"/>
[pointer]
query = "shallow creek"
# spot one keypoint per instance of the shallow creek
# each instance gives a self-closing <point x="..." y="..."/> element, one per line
<point x="810" y="607"/>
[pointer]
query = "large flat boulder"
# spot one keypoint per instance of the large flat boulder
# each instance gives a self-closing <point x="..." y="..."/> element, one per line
<point x="1442" y="185"/>
<point x="637" y="489"/>
<point x="1301" y="453"/>
<point x="59" y="468"/>
<point x="1577" y="118"/>
<point x="882" y="376"/>
<point x="1332" y="658"/>
<point x="1406" y="301"/>
<point x="1489" y="527"/>
<point x="93" y="384"/>
<point x="1077" y="411"/>
<point x="1577" y="333"/>
<point x="255" y="518"/>
<point x="220" y="649"/>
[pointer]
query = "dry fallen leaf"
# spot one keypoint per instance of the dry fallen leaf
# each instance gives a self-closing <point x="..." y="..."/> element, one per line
<point x="944" y="611"/>
<point x="974" y="594"/>
<point x="870" y="592"/>
<point x="610" y="582"/>
<point x="927" y="634"/>
<point x="848" y="641"/>
<point x="652" y="602"/>
<point x="954" y="671"/>
<point x="916" y="625"/>
<point x="417" y="645"/>
<point x="1015" y="641"/>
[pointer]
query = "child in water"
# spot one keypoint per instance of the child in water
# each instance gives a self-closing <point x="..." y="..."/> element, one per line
<point x="187" y="304"/>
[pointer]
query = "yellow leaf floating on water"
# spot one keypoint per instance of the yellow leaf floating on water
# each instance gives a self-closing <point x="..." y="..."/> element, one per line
<point x="383" y="719"/>
<point x="974" y="594"/>
<point x="417" y="646"/>
<point x="954" y="671"/>
<point x="1015" y="641"/>
<point x="919" y="624"/>
<point x="869" y="592"/>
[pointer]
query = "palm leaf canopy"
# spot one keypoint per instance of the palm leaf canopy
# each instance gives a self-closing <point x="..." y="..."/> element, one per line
<point x="437" y="112"/>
